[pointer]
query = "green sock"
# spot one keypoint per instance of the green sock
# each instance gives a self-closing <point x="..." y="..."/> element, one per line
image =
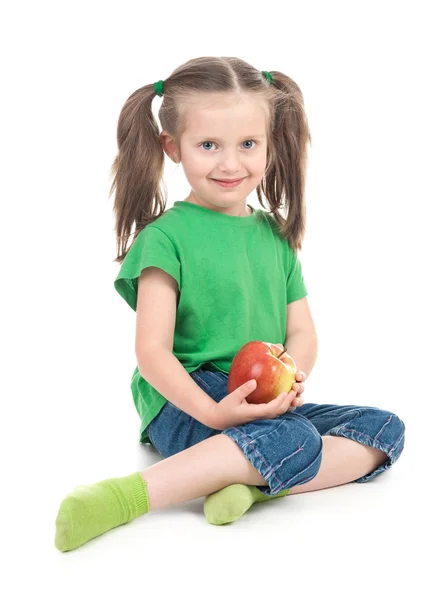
<point x="230" y="503"/>
<point x="90" y="510"/>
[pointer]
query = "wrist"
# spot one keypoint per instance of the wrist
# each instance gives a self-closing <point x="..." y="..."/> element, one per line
<point x="208" y="414"/>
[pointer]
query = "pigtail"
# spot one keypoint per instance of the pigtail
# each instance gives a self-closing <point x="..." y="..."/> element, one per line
<point x="137" y="169"/>
<point x="284" y="182"/>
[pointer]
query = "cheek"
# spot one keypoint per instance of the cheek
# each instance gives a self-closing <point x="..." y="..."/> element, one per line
<point x="259" y="169"/>
<point x="197" y="167"/>
<point x="259" y="164"/>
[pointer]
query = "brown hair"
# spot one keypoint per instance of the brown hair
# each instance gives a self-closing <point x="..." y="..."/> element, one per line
<point x="138" y="166"/>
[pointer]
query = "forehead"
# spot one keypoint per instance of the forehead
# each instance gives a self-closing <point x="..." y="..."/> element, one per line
<point x="218" y="115"/>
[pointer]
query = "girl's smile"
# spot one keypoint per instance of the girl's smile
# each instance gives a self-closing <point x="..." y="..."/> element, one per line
<point x="232" y="183"/>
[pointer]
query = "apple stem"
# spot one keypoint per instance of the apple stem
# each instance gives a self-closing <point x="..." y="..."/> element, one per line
<point x="283" y="352"/>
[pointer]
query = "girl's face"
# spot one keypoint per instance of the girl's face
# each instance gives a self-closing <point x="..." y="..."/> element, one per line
<point x="224" y="138"/>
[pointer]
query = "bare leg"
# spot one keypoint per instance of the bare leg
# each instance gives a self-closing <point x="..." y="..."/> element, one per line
<point x="91" y="510"/>
<point x="201" y="470"/>
<point x="343" y="461"/>
<point x="198" y="471"/>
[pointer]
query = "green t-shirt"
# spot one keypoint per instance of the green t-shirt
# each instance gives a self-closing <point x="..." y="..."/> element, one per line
<point x="235" y="276"/>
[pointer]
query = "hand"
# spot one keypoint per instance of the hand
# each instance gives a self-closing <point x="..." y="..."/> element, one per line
<point x="299" y="388"/>
<point x="234" y="409"/>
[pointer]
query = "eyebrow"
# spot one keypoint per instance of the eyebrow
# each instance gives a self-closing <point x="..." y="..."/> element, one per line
<point x="212" y="137"/>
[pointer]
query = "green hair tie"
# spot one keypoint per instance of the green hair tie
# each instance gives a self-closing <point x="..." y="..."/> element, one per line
<point x="159" y="87"/>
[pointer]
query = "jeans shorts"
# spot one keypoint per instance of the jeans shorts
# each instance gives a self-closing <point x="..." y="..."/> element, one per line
<point x="287" y="450"/>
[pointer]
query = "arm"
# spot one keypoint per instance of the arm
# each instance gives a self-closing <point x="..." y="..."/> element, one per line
<point x="302" y="340"/>
<point x="155" y="323"/>
<point x="303" y="348"/>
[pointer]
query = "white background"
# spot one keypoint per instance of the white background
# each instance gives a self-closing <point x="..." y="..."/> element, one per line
<point x="367" y="72"/>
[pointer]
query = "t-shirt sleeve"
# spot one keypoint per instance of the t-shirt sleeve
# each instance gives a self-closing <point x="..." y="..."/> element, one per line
<point x="151" y="248"/>
<point x="296" y="288"/>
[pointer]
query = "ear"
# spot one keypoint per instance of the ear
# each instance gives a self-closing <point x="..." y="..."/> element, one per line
<point x="169" y="146"/>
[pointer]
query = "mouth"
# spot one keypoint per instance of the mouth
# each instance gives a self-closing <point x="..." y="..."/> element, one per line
<point x="229" y="182"/>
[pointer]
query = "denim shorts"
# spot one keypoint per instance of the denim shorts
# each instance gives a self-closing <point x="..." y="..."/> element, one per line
<point x="287" y="450"/>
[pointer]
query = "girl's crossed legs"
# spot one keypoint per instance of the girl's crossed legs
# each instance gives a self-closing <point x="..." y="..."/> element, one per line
<point x="286" y="452"/>
<point x="270" y="457"/>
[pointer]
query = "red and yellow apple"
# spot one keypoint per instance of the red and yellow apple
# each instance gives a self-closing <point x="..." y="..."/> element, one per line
<point x="271" y="366"/>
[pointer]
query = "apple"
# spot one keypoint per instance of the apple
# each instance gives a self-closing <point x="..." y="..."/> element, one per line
<point x="271" y="366"/>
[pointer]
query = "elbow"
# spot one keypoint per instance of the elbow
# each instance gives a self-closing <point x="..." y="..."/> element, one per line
<point x="149" y="355"/>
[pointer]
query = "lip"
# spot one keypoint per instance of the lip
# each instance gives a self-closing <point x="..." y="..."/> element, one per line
<point x="229" y="182"/>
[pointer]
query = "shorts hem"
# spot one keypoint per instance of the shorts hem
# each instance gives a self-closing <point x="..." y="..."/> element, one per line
<point x="392" y="451"/>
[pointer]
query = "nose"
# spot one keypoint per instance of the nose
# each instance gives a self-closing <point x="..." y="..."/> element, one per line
<point x="230" y="161"/>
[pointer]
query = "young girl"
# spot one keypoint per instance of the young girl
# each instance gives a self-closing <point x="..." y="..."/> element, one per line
<point x="205" y="277"/>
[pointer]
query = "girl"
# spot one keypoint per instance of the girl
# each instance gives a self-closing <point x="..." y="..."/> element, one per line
<point x="205" y="277"/>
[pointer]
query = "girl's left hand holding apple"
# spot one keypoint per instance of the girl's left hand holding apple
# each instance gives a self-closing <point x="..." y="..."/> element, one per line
<point x="299" y="387"/>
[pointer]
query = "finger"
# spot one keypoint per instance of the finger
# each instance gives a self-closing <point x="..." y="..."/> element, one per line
<point x="299" y="388"/>
<point x="247" y="387"/>
<point x="265" y="410"/>
<point x="275" y="407"/>
<point x="298" y="401"/>
<point x="286" y="402"/>
<point x="294" y="402"/>
<point x="276" y="404"/>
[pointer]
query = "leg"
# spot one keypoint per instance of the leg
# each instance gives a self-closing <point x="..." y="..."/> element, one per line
<point x="359" y="443"/>
<point x="282" y="451"/>
<point x="91" y="510"/>
<point x="343" y="461"/>
<point x="197" y="471"/>
<point x="286" y="451"/>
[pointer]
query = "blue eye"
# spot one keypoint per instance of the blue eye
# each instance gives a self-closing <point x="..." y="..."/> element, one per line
<point x="252" y="141"/>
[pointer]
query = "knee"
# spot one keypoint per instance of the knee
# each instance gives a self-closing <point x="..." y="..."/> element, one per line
<point x="301" y="461"/>
<point x="299" y="432"/>
<point x="312" y="446"/>
<point x="387" y="430"/>
<point x="386" y="419"/>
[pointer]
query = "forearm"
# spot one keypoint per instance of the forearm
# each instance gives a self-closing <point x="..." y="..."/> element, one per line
<point x="303" y="348"/>
<point x="165" y="373"/>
